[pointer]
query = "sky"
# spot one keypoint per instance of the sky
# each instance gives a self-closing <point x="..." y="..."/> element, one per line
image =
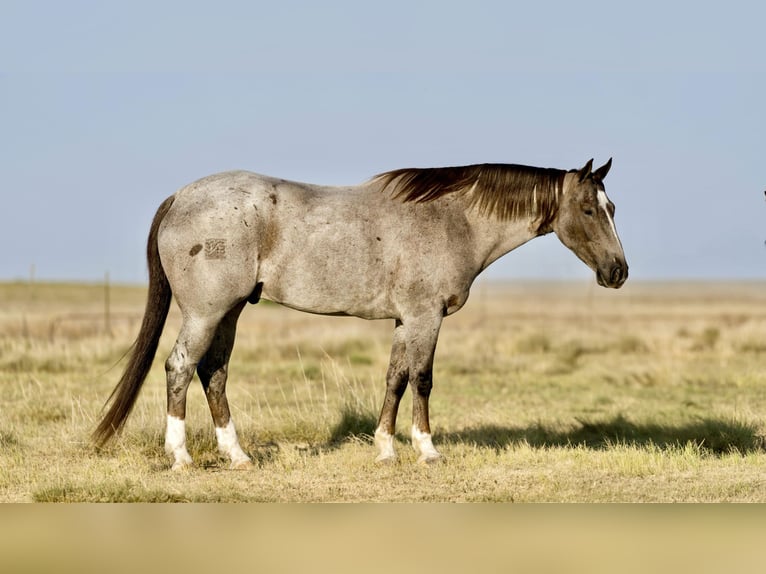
<point x="106" y="108"/>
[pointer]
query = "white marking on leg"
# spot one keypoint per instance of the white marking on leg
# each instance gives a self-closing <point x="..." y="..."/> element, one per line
<point x="228" y="445"/>
<point x="421" y="442"/>
<point x="175" y="443"/>
<point x="385" y="445"/>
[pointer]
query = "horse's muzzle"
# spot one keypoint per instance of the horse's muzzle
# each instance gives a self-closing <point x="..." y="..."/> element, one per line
<point x="616" y="276"/>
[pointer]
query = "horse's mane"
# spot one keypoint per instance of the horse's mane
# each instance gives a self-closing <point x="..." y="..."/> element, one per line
<point x="506" y="191"/>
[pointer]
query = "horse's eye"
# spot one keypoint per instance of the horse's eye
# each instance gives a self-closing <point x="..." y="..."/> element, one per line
<point x="588" y="211"/>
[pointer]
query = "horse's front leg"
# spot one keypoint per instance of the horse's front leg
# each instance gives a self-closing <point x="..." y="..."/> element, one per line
<point x="396" y="384"/>
<point x="422" y="334"/>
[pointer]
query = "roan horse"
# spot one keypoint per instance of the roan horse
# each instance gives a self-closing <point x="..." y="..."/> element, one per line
<point x="406" y="245"/>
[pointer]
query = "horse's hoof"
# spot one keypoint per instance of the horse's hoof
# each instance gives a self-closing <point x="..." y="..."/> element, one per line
<point x="181" y="465"/>
<point x="246" y="464"/>
<point x="384" y="459"/>
<point x="431" y="458"/>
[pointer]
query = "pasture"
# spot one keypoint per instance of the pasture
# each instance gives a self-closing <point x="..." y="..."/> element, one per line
<point x="542" y="392"/>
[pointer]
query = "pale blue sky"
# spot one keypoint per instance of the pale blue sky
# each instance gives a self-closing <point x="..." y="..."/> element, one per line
<point x="106" y="108"/>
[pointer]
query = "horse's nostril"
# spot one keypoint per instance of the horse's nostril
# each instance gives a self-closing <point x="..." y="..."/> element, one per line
<point x="617" y="274"/>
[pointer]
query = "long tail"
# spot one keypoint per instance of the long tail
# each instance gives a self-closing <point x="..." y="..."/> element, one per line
<point x="124" y="395"/>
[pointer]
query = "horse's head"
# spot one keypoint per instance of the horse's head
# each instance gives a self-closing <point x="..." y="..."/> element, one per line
<point x="585" y="224"/>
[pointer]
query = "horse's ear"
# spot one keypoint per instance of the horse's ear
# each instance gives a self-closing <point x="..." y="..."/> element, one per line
<point x="585" y="171"/>
<point x="601" y="172"/>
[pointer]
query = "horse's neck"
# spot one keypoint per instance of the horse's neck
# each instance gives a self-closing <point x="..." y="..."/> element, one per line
<point x="494" y="238"/>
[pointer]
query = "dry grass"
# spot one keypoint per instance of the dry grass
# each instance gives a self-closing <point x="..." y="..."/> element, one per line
<point x="543" y="392"/>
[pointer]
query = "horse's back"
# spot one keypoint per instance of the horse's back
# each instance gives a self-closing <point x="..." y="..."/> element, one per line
<point x="328" y="250"/>
<point x="306" y="246"/>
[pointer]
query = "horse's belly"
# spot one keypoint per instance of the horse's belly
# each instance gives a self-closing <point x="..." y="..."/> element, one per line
<point x="371" y="306"/>
<point x="318" y="285"/>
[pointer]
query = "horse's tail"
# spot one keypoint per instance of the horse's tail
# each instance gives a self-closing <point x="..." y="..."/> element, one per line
<point x="124" y="395"/>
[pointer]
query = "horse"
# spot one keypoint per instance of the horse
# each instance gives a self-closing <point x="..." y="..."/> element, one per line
<point x="405" y="245"/>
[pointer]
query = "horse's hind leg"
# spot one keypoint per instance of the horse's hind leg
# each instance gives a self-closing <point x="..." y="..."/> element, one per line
<point x="213" y="372"/>
<point x="192" y="343"/>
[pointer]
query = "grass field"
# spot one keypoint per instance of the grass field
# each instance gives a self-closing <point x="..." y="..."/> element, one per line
<point x="543" y="392"/>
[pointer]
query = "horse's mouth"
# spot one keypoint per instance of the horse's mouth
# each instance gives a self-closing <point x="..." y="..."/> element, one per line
<point x="616" y="278"/>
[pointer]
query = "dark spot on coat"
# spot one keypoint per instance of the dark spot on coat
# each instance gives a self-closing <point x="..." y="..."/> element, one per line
<point x="424" y="382"/>
<point x="378" y="238"/>
<point x="273" y="198"/>
<point x="268" y="238"/>
<point x="452" y="302"/>
<point x="194" y="250"/>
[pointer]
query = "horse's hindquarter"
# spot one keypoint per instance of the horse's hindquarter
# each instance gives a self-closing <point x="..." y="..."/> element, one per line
<point x="206" y="241"/>
<point x="326" y="250"/>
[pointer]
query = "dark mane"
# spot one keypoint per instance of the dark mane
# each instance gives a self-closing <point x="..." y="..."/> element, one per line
<point x="506" y="191"/>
